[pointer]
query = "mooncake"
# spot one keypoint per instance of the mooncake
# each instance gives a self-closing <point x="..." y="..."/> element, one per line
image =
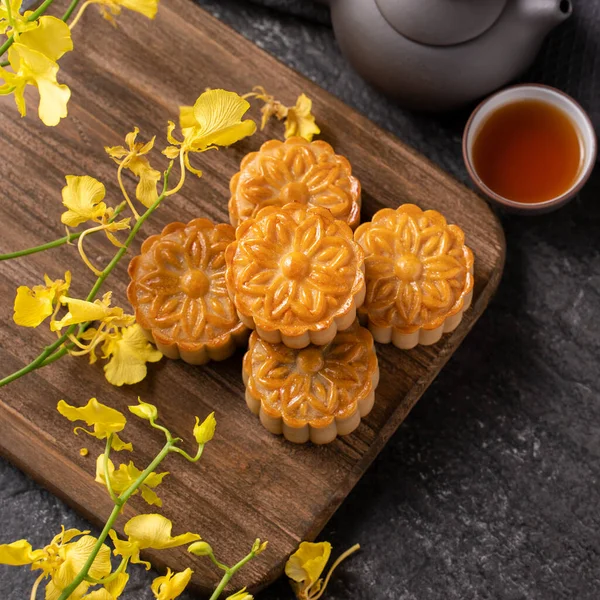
<point x="419" y="276"/>
<point x="316" y="393"/>
<point x="295" y="275"/>
<point x="295" y="171"/>
<point x="179" y="293"/>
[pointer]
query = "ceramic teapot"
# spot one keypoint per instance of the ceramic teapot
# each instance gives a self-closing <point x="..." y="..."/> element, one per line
<point x="441" y="54"/>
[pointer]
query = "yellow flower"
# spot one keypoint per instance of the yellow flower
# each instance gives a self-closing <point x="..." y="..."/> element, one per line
<point x="143" y="410"/>
<point x="148" y="8"/>
<point x="129" y="351"/>
<point x="61" y="560"/>
<point x="20" y="21"/>
<point x="241" y="595"/>
<point x="34" y="305"/>
<point x="216" y="120"/>
<point x="82" y="311"/>
<point x="122" y="478"/>
<point x="300" y="121"/>
<point x="133" y="158"/>
<point x="83" y="197"/>
<point x="33" y="61"/>
<point x="204" y="432"/>
<point x="105" y="420"/>
<point x="148" y="531"/>
<point x="170" y="586"/>
<point x="305" y="566"/>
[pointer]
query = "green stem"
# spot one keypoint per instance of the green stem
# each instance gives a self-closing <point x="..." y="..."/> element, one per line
<point x="120" y="502"/>
<point x="229" y="573"/>
<point x="38" y="362"/>
<point x="11" y="21"/>
<point x="49" y="350"/>
<point x="67" y="239"/>
<point x="32" y="17"/>
<point x="187" y="456"/>
<point x="70" y="10"/>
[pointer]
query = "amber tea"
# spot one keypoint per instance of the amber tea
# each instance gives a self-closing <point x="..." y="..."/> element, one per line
<point x="528" y="151"/>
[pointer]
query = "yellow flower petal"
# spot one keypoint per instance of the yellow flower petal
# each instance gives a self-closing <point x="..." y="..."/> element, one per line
<point x="145" y="191"/>
<point x="204" y="432"/>
<point x="148" y="8"/>
<point x="51" y="37"/>
<point x="17" y="553"/>
<point x="154" y="531"/>
<point x="186" y="117"/>
<point x="122" y="478"/>
<point x="241" y="595"/>
<point x="33" y="305"/>
<point x="81" y="311"/>
<point x="101" y="594"/>
<point x="143" y="410"/>
<point x="34" y="68"/>
<point x="127" y="549"/>
<point x="83" y="198"/>
<point x="129" y="354"/>
<point x="218" y="114"/>
<point x="300" y="121"/>
<point x="171" y="586"/>
<point x="104" y="419"/>
<point x="307" y="563"/>
<point x="117" y="585"/>
<point x="74" y="556"/>
<point x="118" y="444"/>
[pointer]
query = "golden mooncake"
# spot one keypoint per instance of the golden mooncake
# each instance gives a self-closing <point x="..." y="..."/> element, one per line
<point x="179" y="293"/>
<point x="295" y="171"/>
<point x="316" y="393"/>
<point x="419" y="276"/>
<point x="295" y="275"/>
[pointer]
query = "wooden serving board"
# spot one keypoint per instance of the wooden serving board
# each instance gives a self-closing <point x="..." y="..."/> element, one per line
<point x="249" y="483"/>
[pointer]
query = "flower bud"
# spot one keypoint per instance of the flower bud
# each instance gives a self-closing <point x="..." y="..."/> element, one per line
<point x="200" y="549"/>
<point x="204" y="432"/>
<point x="143" y="410"/>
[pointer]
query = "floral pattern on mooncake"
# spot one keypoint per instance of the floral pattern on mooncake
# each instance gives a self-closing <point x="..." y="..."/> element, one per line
<point x="419" y="275"/>
<point x="295" y="171"/>
<point x="179" y="293"/>
<point x="295" y="274"/>
<point x="315" y="393"/>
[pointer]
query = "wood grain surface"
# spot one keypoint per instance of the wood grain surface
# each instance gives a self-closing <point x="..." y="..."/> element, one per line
<point x="249" y="483"/>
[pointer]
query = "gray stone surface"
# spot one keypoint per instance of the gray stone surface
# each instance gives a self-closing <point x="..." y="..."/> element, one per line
<point x="490" y="489"/>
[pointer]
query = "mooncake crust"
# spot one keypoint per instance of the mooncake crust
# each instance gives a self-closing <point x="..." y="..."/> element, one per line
<point x="295" y="171"/>
<point x="179" y="294"/>
<point x="316" y="393"/>
<point x="419" y="275"/>
<point x="295" y="275"/>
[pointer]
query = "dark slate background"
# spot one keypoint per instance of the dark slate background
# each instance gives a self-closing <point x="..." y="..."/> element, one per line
<point x="490" y="489"/>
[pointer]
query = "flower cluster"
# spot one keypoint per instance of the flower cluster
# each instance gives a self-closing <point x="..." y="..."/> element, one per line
<point x="77" y="565"/>
<point x="298" y="119"/>
<point x="35" y="43"/>
<point x="93" y="326"/>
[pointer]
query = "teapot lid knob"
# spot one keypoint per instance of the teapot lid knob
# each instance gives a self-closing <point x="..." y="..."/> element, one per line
<point x="441" y="22"/>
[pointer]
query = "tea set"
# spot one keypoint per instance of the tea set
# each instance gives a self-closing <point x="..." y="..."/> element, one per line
<point x="437" y="55"/>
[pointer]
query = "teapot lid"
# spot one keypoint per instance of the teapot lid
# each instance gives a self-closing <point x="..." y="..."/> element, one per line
<point x="441" y="22"/>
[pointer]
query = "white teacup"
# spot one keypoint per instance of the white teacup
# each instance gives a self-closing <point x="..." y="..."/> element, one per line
<point x="560" y="100"/>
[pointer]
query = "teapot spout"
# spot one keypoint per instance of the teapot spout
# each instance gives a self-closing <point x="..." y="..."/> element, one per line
<point x="546" y="13"/>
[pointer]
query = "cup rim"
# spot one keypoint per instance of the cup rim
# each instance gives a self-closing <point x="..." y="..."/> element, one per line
<point x="530" y="206"/>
